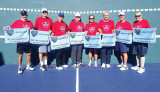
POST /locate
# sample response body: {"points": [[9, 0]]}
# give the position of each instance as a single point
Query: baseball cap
{"points": [[121, 13], [43, 9], [61, 14], [77, 14], [23, 12]]}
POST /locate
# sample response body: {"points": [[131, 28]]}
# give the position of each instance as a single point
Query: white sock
{"points": [[142, 61], [41, 63], [95, 62], [90, 61], [28, 65], [137, 59], [45, 62]]}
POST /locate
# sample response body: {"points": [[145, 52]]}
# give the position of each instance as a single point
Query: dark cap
{"points": [[23, 12], [61, 14]]}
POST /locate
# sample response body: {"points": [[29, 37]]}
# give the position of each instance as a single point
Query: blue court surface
{"points": [[90, 79]]}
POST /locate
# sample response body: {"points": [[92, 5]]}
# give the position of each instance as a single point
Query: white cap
{"points": [[77, 14], [121, 13], [43, 9]]}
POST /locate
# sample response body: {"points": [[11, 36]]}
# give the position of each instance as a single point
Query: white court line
{"points": [[77, 79], [83, 12]]}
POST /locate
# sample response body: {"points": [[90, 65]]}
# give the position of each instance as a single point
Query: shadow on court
{"points": [[1, 59]]}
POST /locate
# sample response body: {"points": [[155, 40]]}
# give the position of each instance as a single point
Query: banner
{"points": [[108, 39], [39, 37], [77, 37], [17, 35], [59, 42], [124, 36], [144, 35], [92, 41]]}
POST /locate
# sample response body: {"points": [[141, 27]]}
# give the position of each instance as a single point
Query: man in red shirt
{"points": [[59, 28], [23, 47], [140, 49], [92, 29], [76, 54], [122, 47], [107, 27], [44, 23]]}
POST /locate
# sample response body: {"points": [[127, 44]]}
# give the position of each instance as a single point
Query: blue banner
{"points": [[144, 35], [77, 37], [17, 35], [92, 41], [124, 36], [59, 42], [39, 37], [108, 39]]}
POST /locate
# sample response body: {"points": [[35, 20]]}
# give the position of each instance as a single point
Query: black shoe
{"points": [[43, 68], [48, 66]]}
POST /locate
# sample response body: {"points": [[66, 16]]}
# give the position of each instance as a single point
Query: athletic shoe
{"points": [[81, 64], [103, 65], [135, 68], [108, 65], [59, 68], [30, 68], [125, 67], [48, 66], [89, 64], [141, 70], [19, 70], [95, 65], [65, 66], [43, 68], [120, 65], [74, 66]]}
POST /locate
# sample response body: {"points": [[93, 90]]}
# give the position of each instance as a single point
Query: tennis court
{"points": [[90, 79]]}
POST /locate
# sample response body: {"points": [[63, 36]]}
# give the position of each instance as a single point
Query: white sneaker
{"points": [[103, 65], [65, 66], [125, 67], [108, 65], [30, 68], [59, 68], [43, 68], [135, 68], [89, 64], [95, 65], [141, 70], [19, 70], [120, 65]]}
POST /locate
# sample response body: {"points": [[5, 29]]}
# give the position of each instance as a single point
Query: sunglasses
{"points": [[91, 18], [137, 15], [24, 15], [44, 12]]}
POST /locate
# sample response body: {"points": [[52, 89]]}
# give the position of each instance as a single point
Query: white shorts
{"points": [[44, 48]]}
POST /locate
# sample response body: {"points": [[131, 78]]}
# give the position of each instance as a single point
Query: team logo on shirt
{"points": [[87, 38], [120, 27], [45, 24], [54, 39], [117, 32], [91, 29], [73, 35], [34, 33], [62, 28], [106, 27], [137, 31], [25, 25], [10, 32], [79, 28], [139, 26]]}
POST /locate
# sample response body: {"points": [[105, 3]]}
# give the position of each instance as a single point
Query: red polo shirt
{"points": [[92, 28], [141, 24], [76, 26], [106, 27], [59, 28]]}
